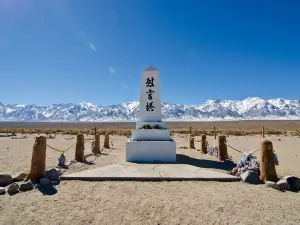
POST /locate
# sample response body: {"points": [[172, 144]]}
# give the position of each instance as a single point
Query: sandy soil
{"points": [[193, 202]]}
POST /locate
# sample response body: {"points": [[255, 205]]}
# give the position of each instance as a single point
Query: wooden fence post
{"points": [[97, 144], [267, 163], [222, 148], [106, 141], [190, 130], [203, 144], [79, 152], [192, 142], [215, 132], [263, 132], [38, 160]]}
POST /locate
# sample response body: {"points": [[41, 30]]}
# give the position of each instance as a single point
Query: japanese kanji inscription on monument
{"points": [[149, 84], [150, 108]]}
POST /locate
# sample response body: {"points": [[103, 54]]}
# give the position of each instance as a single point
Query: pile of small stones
{"points": [[13, 187]]}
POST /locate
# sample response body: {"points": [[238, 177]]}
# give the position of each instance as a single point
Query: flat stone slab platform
{"points": [[149, 172]]}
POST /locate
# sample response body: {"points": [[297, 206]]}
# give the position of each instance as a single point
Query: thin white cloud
{"points": [[86, 39], [93, 47], [111, 70], [124, 85]]}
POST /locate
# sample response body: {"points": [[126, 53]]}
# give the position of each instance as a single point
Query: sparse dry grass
{"points": [[127, 131]]}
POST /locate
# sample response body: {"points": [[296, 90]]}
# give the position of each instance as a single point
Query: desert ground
{"points": [[186, 202]]}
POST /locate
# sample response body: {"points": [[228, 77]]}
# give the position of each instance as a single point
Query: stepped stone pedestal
{"points": [[150, 141]]}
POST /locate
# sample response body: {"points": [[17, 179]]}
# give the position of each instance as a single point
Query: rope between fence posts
{"points": [[239, 150], [63, 151], [255, 151], [233, 148]]}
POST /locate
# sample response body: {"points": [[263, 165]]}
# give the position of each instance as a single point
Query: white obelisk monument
{"points": [[151, 139]]}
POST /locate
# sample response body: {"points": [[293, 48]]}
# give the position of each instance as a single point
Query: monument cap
{"points": [[150, 68]]}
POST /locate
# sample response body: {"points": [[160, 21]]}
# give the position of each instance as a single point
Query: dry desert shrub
{"points": [[292, 133], [75, 132], [127, 131]]}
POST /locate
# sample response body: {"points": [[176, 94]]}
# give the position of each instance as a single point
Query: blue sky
{"points": [[56, 51]]}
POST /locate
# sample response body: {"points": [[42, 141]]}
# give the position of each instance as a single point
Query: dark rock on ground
{"points": [[26, 186], [2, 190], [250, 177], [284, 185], [294, 183], [13, 189], [44, 181], [5, 179], [20, 177]]}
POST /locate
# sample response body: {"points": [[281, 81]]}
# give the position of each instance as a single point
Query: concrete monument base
{"points": [[149, 172], [150, 135], [150, 151]]}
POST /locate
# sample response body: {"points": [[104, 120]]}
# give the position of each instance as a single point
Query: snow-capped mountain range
{"points": [[250, 108]]}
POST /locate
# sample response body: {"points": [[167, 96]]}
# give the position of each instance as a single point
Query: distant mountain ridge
{"points": [[249, 108]]}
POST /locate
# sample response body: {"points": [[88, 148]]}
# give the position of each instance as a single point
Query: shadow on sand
{"points": [[227, 165], [205, 163], [88, 162]]}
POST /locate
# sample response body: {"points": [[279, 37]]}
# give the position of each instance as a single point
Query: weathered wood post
{"points": [[38, 160], [222, 148], [79, 152], [97, 144], [190, 130], [95, 130], [203, 144], [267, 163], [106, 141], [215, 132], [263, 132], [192, 142]]}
